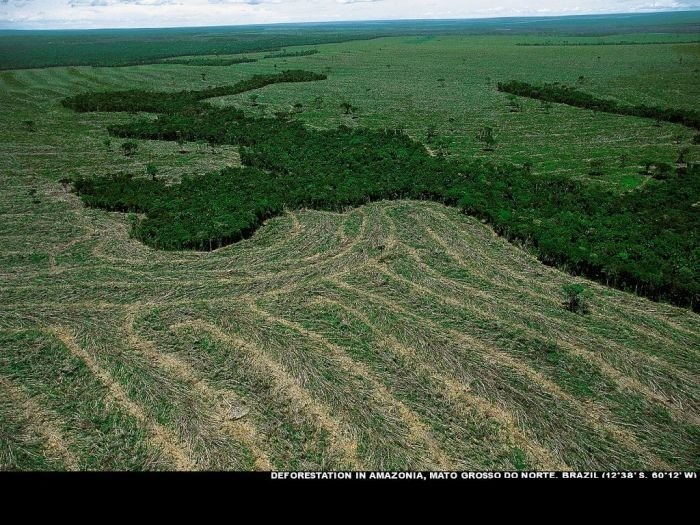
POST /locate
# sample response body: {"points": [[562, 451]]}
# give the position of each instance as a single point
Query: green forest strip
{"points": [[644, 241], [571, 96], [620, 43], [286, 54], [155, 102], [209, 61]]}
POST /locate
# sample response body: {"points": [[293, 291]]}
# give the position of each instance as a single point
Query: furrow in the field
{"points": [[613, 440], [381, 435], [597, 415], [471, 261], [640, 407], [463, 425], [45, 83], [416, 428], [89, 77], [163, 437], [41, 421], [458, 241], [99, 432], [658, 382], [294, 437], [555, 320], [344, 444], [214, 399]]}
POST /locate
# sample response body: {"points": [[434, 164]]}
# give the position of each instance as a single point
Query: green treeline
{"points": [[157, 102], [646, 240], [209, 61], [620, 43], [285, 54], [573, 97]]}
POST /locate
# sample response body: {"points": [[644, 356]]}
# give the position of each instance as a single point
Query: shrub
{"points": [[576, 298], [152, 171], [129, 148]]}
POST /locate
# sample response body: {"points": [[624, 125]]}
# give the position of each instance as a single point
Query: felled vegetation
{"points": [[573, 97], [621, 240]]}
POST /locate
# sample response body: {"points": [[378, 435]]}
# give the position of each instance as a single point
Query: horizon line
{"points": [[365, 21]]}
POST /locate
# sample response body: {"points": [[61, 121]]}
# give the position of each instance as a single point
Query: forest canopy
{"points": [[644, 240]]}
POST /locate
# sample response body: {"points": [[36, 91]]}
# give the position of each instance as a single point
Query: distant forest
{"points": [[123, 47]]}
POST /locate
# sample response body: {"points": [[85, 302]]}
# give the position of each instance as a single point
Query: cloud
{"points": [[27, 14]]}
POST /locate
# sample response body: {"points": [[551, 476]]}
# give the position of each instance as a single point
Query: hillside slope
{"points": [[396, 335]]}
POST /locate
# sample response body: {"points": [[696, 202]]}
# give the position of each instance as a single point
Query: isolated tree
{"points": [[129, 148], [595, 168], [30, 125], [152, 171], [576, 298], [430, 134], [254, 99], [298, 107], [318, 102], [513, 105], [682, 155], [107, 144], [347, 107], [180, 141], [485, 135], [204, 76], [624, 160]]}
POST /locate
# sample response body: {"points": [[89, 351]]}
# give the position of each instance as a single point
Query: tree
{"points": [[513, 105], [107, 144], [595, 168], [349, 108], [430, 134], [485, 135], [152, 171], [129, 148], [30, 125], [254, 99], [576, 298], [180, 141]]}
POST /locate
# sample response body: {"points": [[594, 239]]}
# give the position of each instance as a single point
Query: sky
{"points": [[84, 14]]}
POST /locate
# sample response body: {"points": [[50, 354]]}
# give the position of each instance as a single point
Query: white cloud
{"points": [[168, 13]]}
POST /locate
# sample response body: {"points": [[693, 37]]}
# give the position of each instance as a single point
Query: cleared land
{"points": [[396, 335]]}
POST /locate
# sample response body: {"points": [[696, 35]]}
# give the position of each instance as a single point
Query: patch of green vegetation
{"points": [[288, 54], [210, 61], [573, 97], [155, 102], [571, 224]]}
